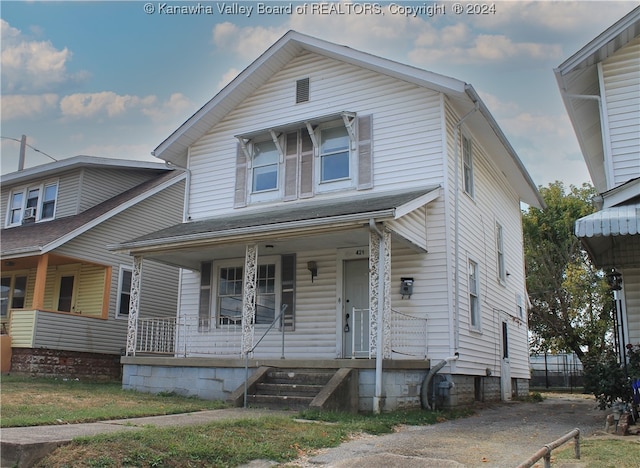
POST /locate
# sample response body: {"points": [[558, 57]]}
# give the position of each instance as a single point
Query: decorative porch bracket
{"points": [[249, 297], [134, 306], [375, 292]]}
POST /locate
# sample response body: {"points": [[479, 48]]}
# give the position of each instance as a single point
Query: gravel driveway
{"points": [[499, 435]]}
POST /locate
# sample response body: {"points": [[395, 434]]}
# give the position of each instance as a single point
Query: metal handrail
{"points": [[545, 452], [246, 355]]}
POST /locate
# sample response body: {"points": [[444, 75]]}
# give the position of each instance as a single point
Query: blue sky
{"points": [[113, 80]]}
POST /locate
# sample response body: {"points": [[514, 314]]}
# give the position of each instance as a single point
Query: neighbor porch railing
{"points": [[156, 335]]}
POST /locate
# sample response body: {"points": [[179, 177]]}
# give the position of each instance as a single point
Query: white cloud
{"points": [[83, 105], [32, 66], [24, 106], [176, 106], [248, 42]]}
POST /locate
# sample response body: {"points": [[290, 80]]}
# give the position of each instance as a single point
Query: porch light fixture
{"points": [[614, 278], [313, 268]]}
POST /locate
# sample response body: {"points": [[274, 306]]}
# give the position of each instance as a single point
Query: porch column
{"points": [[41, 283], [380, 290], [134, 306], [249, 297]]}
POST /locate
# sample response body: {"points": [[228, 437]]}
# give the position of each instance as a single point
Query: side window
{"points": [[49, 201], [124, 292], [13, 289], [204, 307], [474, 295], [467, 165], [502, 274]]}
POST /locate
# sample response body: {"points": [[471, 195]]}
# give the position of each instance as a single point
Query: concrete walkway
{"points": [[23, 446]]}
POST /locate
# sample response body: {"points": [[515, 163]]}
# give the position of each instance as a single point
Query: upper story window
{"points": [[474, 295], [467, 165], [265, 166], [299, 160], [334, 154], [34, 203]]}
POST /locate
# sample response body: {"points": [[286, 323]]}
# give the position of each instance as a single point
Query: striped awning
{"points": [[612, 236], [615, 221]]}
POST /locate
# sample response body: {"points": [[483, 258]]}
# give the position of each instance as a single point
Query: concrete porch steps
{"points": [[289, 388]]}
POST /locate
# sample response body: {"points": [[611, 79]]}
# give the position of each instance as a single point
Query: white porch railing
{"points": [[408, 335], [156, 335], [166, 336]]}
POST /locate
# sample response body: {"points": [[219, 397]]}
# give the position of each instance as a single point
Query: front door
{"points": [[355, 314]]}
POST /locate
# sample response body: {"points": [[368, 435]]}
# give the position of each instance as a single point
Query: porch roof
{"points": [[310, 216], [612, 236], [39, 238]]}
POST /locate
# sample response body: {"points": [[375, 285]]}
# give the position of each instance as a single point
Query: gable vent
{"points": [[302, 90]]}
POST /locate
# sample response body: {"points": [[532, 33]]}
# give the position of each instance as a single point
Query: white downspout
{"points": [[377, 397]]}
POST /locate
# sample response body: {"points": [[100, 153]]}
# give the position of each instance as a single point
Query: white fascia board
{"points": [[621, 193], [291, 227], [109, 214], [49, 169], [416, 203]]}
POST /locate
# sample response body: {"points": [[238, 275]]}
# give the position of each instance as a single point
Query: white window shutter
{"points": [[365, 152], [291, 167], [240, 196], [306, 166]]}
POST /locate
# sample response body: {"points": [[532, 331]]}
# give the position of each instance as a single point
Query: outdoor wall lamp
{"points": [[313, 268], [614, 279]]}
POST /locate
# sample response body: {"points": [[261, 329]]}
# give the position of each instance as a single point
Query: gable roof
{"points": [[579, 85], [464, 98], [43, 237], [50, 169]]}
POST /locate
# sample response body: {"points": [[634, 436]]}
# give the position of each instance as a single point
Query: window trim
{"points": [[475, 313], [122, 270], [500, 255], [342, 183], [214, 311], [40, 201], [12, 277]]}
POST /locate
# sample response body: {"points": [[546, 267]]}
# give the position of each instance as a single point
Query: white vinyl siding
{"points": [[621, 75], [631, 282], [402, 155]]}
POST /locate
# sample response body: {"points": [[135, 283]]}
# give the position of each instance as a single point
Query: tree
{"points": [[571, 302]]}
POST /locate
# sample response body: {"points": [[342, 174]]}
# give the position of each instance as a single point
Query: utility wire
{"points": [[27, 144]]}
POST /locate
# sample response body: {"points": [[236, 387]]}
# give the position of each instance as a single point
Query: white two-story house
{"points": [[600, 86], [374, 204]]}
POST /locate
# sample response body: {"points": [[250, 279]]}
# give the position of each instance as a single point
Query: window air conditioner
{"points": [[30, 213]]}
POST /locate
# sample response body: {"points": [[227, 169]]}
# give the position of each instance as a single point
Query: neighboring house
{"points": [[65, 297], [600, 86], [378, 202]]}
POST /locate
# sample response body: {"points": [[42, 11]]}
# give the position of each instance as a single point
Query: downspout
{"points": [[456, 283], [424, 390], [377, 397]]}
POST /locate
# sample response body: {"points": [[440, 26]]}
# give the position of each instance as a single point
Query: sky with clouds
{"points": [[114, 79]]}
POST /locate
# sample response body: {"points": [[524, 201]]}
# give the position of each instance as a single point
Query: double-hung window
{"points": [[229, 293], [124, 292], [334, 154], [266, 158], [13, 293], [35, 203], [474, 295]]}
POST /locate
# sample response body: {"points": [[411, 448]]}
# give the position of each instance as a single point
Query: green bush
{"points": [[610, 381]]}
